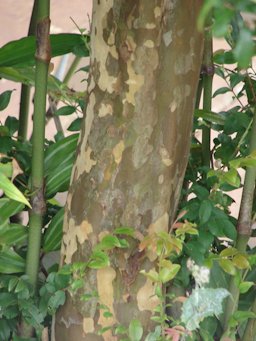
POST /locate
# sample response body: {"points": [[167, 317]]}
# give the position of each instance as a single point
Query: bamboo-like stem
{"points": [[71, 69], [37, 175], [250, 329], [243, 225], [199, 92], [208, 72], [25, 89]]}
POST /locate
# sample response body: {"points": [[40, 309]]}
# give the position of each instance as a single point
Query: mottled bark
{"points": [[133, 151]]}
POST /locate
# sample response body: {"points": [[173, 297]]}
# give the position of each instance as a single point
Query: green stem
{"points": [[243, 226], [250, 329], [53, 103], [25, 89], [199, 92], [208, 72], [71, 69], [37, 175]]}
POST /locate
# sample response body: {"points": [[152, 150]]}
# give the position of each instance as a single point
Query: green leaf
{"points": [[244, 49], [127, 231], [168, 273], [77, 284], [22, 51], [75, 125], [222, 18], [228, 252], [245, 286], [241, 262], [59, 153], [56, 300], [108, 242], [243, 315], [201, 304], [53, 235], [59, 161], [221, 91], [120, 330], [205, 211], [12, 283], [135, 330], [8, 208], [58, 181], [6, 327], [218, 278], [98, 260], [155, 335], [6, 169], [204, 12], [65, 111], [7, 299], [210, 116], [226, 57], [11, 191], [11, 262], [5, 99], [152, 275], [227, 266], [13, 234], [12, 123], [232, 177]]}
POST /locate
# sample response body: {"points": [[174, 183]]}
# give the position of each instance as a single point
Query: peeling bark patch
{"points": [[135, 80], [118, 151], [167, 37], [149, 43], [85, 133], [88, 325], [173, 106], [105, 109], [105, 81], [183, 64], [157, 12], [89, 163], [150, 26], [146, 297], [105, 279], [165, 157], [75, 234], [161, 179], [161, 224], [142, 148], [86, 229]]}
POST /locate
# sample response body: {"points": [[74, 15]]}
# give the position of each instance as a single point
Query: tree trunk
{"points": [[132, 153]]}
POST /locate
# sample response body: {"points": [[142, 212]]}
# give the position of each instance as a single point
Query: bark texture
{"points": [[132, 152]]}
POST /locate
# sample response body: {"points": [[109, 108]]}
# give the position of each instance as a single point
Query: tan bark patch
{"points": [[165, 157], [146, 298], [149, 43], [88, 325], [73, 234], [80, 163], [105, 279], [105, 109], [157, 12], [150, 26], [118, 151], [161, 224], [98, 51], [85, 230], [135, 80], [89, 163]]}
